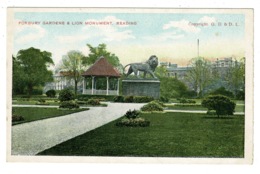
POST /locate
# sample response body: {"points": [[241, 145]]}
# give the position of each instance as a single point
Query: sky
{"points": [[133, 37]]}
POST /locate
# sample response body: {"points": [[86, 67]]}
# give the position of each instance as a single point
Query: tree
{"points": [[30, 69], [160, 71], [72, 64], [199, 75], [171, 87], [236, 77], [101, 50]]}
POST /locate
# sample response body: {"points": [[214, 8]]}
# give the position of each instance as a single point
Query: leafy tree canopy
{"points": [[97, 52], [72, 64], [31, 69]]}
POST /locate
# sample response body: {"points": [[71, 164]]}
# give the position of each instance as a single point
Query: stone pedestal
{"points": [[141, 87]]}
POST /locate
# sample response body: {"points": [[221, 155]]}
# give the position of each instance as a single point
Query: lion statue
{"points": [[147, 67]]}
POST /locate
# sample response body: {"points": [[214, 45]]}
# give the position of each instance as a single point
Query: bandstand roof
{"points": [[102, 68]]}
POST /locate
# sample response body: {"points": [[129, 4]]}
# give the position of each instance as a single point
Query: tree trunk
{"points": [[30, 89], [76, 88]]}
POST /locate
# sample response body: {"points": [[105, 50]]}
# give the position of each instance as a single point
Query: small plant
{"points": [[152, 106], [51, 93], [66, 95], [132, 114], [68, 105], [221, 104], [93, 102]]}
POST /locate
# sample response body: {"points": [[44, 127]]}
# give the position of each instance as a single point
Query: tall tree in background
{"points": [[30, 69], [236, 76], [101, 50], [72, 65], [199, 75]]}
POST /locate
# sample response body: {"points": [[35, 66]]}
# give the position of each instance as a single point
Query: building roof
{"points": [[102, 68]]}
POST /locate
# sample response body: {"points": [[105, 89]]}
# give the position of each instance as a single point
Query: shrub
{"points": [[66, 95], [17, 118], [220, 103], [51, 93], [141, 122], [129, 99], [132, 119], [132, 114], [183, 100], [164, 99], [222, 91], [93, 102], [69, 105], [81, 102], [41, 101], [118, 98], [85, 97], [152, 106], [142, 99], [240, 95]]}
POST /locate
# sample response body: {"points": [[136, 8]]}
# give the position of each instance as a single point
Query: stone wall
{"points": [[141, 87]]}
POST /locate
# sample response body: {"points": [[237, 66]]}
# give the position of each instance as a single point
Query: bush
{"points": [[132, 114], [183, 100], [69, 105], [164, 99], [152, 106], [142, 99], [66, 95], [240, 95], [118, 98], [220, 103], [222, 91], [41, 101], [51, 93], [93, 102], [132, 119], [17, 118], [129, 99], [137, 122], [85, 97], [81, 102]]}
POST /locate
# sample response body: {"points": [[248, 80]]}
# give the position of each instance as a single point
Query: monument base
{"points": [[141, 87]]}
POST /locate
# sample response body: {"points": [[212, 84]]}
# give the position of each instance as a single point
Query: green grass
{"points": [[51, 103], [32, 113], [184, 107], [239, 108], [169, 135]]}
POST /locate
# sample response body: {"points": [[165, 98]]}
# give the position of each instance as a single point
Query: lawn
{"points": [[32, 114], [169, 135], [50, 103], [239, 108]]}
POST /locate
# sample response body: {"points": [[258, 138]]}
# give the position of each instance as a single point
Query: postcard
{"points": [[130, 85]]}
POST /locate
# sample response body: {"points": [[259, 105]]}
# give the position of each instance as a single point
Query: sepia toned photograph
{"points": [[130, 85]]}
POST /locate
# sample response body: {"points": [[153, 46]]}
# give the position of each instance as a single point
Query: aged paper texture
{"points": [[218, 43]]}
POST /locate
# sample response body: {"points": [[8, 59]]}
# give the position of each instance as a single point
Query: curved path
{"points": [[34, 137]]}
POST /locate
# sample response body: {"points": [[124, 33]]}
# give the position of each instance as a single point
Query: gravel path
{"points": [[34, 137]]}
